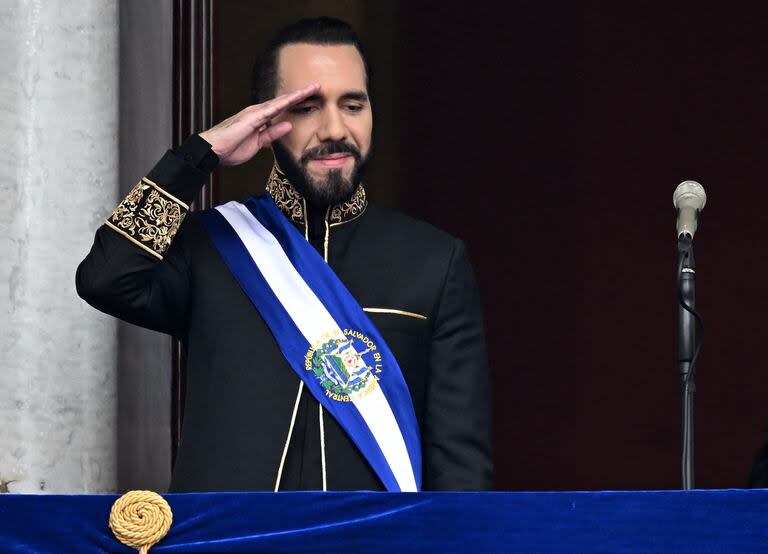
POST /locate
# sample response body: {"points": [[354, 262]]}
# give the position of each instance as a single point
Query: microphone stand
{"points": [[687, 350]]}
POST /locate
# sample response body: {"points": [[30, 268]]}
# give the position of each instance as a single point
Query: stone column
{"points": [[146, 124], [58, 182]]}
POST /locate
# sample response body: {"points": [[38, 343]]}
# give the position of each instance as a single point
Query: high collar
{"points": [[300, 211]]}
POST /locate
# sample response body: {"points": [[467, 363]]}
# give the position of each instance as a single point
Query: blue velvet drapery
{"points": [[653, 521]]}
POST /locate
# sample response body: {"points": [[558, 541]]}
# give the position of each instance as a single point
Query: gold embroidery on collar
{"points": [[149, 220], [351, 209], [291, 202], [285, 196]]}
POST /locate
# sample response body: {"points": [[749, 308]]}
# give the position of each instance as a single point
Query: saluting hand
{"points": [[237, 139]]}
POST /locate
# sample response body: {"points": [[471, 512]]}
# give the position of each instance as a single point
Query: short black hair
{"points": [[316, 30]]}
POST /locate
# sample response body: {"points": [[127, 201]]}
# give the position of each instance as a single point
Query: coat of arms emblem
{"points": [[341, 366]]}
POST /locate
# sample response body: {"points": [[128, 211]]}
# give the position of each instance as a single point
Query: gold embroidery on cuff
{"points": [[165, 192], [133, 240], [149, 216]]}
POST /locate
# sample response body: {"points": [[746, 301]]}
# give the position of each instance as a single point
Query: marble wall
{"points": [[58, 181]]}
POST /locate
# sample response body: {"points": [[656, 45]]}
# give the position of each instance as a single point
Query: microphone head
{"points": [[689, 198], [689, 194]]}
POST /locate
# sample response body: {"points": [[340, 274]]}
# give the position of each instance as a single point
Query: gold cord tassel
{"points": [[140, 519]]}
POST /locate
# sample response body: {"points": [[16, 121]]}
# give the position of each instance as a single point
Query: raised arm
{"points": [[138, 267]]}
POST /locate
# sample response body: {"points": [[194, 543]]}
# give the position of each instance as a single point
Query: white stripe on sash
{"points": [[314, 321]]}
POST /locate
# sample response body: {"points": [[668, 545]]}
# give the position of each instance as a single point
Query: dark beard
{"points": [[332, 190]]}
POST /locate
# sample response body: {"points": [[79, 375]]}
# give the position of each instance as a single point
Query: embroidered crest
{"points": [[346, 365]]}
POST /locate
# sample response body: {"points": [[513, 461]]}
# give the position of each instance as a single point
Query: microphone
{"points": [[689, 198]]}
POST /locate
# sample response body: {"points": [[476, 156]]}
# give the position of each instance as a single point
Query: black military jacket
{"points": [[150, 268]]}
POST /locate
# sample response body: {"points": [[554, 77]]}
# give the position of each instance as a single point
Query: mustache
{"points": [[329, 148]]}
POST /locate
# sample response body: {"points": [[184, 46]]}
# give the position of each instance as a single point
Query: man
{"points": [[250, 424]]}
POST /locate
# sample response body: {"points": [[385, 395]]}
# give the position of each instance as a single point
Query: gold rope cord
{"points": [[140, 519]]}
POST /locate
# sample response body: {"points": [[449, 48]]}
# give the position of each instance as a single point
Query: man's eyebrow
{"points": [[358, 95]]}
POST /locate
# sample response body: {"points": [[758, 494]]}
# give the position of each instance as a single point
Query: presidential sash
{"points": [[324, 334]]}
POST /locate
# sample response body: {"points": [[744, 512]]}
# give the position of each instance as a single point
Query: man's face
{"points": [[331, 135]]}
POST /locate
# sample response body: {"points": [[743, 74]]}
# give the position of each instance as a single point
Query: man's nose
{"points": [[332, 127]]}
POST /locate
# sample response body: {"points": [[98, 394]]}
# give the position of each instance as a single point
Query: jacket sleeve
{"points": [[138, 267], [457, 425]]}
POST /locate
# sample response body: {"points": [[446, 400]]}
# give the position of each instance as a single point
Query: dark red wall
{"points": [[550, 136]]}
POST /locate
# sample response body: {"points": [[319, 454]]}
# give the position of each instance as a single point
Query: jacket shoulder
{"points": [[404, 229]]}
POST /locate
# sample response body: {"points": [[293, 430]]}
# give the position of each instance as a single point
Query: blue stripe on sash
{"points": [[253, 283], [292, 342], [346, 311]]}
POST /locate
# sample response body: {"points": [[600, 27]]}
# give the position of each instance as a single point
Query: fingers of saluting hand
{"points": [[268, 134], [261, 114], [236, 139], [254, 142]]}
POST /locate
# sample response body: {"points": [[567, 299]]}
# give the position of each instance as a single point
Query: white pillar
{"points": [[58, 181]]}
